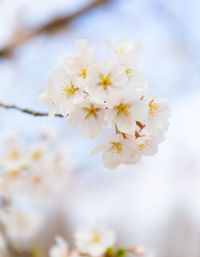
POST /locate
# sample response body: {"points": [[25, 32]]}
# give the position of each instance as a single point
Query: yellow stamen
{"points": [[122, 51], [83, 73], [128, 73], [91, 111], [70, 90], [37, 180], [143, 146], [14, 173], [116, 147], [37, 155], [153, 108], [105, 81], [122, 109], [14, 155], [96, 239]]}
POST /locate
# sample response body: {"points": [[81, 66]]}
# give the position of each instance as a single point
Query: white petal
{"points": [[75, 118], [126, 124], [91, 127], [140, 111], [78, 97], [66, 107], [111, 160], [109, 118], [60, 76], [52, 112], [138, 80], [98, 93], [100, 148], [43, 98]]}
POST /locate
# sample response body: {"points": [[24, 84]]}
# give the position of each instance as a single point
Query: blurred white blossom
{"points": [[21, 224], [94, 241], [60, 249], [40, 169]]}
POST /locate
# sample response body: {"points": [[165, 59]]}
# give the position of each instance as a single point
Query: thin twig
{"points": [[27, 111], [52, 26]]}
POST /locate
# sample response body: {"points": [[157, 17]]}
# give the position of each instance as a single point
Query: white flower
{"points": [[123, 110], [15, 158], [89, 115], [94, 241], [79, 64], [60, 249], [147, 144], [106, 77], [49, 170], [128, 54], [63, 91], [38, 153], [158, 115], [21, 224], [116, 150]]}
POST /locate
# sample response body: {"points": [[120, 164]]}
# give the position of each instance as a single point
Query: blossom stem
{"points": [[27, 111], [137, 134], [117, 130], [140, 124]]}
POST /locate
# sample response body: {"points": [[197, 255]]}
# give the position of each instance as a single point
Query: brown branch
{"points": [[27, 111], [52, 26]]}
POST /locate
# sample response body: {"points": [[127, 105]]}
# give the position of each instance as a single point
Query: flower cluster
{"points": [[109, 92], [37, 170], [20, 224], [95, 242]]}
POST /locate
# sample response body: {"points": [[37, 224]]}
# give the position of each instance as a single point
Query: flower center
{"points": [[116, 147], [83, 73], [105, 81], [153, 108], [14, 173], [143, 146], [14, 155], [122, 51], [70, 90], [128, 73], [37, 155], [91, 111], [96, 239], [37, 180], [122, 109]]}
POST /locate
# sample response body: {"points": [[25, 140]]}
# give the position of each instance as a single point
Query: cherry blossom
{"points": [[60, 249], [113, 93], [94, 241], [37, 169]]}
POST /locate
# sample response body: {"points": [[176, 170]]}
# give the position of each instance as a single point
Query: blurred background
{"points": [[155, 203]]}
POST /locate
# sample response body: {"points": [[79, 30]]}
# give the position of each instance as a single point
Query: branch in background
{"points": [[52, 26], [27, 111]]}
